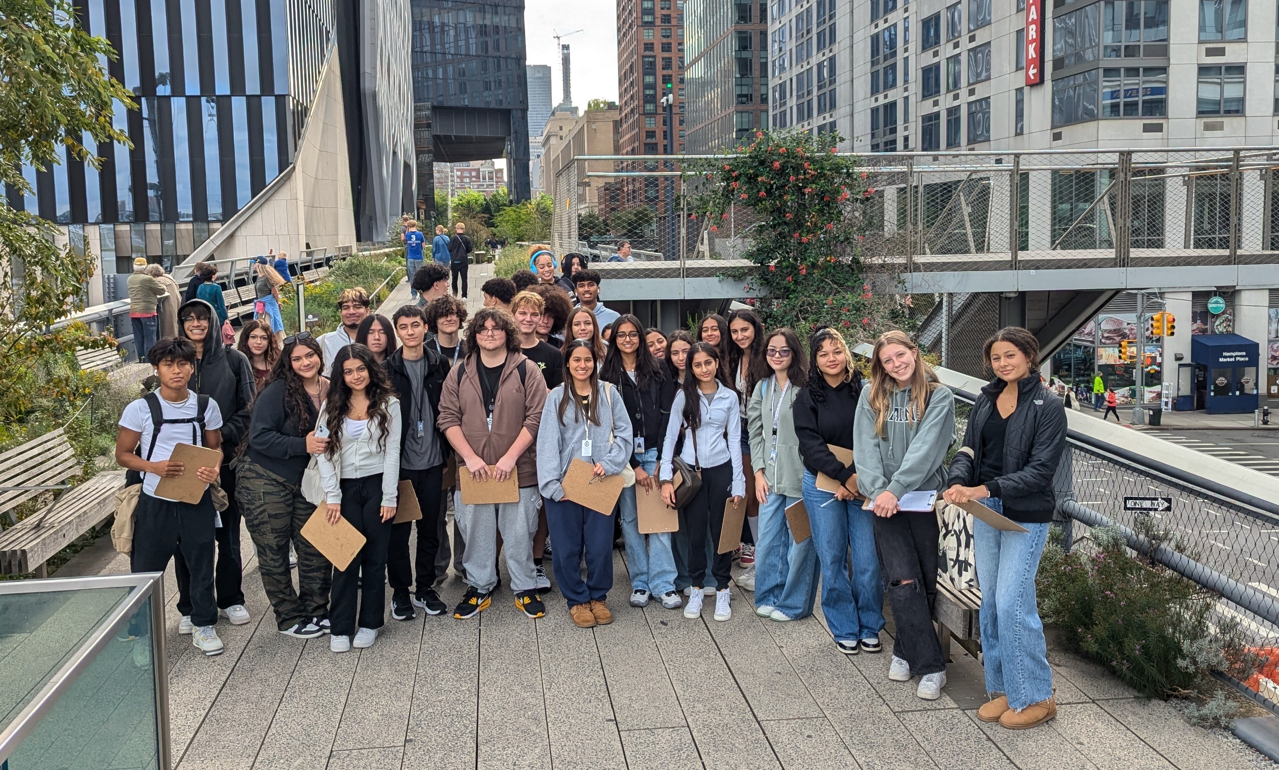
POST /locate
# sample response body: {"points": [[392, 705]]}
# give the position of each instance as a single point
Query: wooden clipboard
{"points": [[730, 534], [996, 520], [188, 488], [488, 492], [655, 516], [797, 519], [408, 508], [340, 543], [582, 486], [845, 457]]}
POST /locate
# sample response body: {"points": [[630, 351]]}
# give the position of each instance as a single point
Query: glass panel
{"points": [[1222, 382], [92, 185], [151, 127], [190, 49], [249, 23], [123, 172], [1247, 381], [182, 158], [212, 167], [129, 40], [61, 193], [30, 202], [240, 118], [160, 42], [221, 66], [270, 139]]}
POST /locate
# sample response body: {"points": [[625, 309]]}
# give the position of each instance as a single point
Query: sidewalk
{"points": [[1197, 420]]}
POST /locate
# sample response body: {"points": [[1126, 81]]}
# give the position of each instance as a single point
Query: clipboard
{"points": [[996, 520], [845, 457], [340, 543], [730, 533], [188, 488], [408, 508], [583, 487], [488, 492], [797, 519], [654, 515]]}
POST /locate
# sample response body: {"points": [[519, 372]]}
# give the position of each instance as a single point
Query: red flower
{"points": [[843, 310], [796, 235], [846, 323], [803, 240], [759, 134], [727, 167], [829, 302], [743, 196], [866, 321], [782, 151], [788, 279], [772, 268], [808, 165], [866, 295], [714, 229], [863, 175], [723, 216], [750, 301], [826, 197], [834, 150], [734, 174], [763, 194], [777, 164], [790, 215], [692, 216], [865, 287], [792, 178], [830, 226], [807, 190]]}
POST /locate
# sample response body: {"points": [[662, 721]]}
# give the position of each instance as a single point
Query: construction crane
{"points": [[565, 63]]}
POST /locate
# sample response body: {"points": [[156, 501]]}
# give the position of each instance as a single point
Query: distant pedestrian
{"points": [[197, 278], [266, 291], [440, 246], [1112, 406], [460, 249], [414, 242], [144, 297], [211, 293], [1098, 392], [168, 307]]}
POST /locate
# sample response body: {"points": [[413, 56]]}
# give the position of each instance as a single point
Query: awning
{"points": [[1223, 350]]}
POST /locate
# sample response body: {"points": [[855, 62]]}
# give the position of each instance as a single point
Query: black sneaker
{"points": [[472, 604], [303, 630], [871, 645], [848, 648], [430, 602], [530, 603], [321, 623], [402, 608]]}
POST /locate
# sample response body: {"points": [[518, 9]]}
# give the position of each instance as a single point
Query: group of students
{"points": [[758, 417]]}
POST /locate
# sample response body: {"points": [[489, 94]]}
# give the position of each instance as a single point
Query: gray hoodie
{"points": [[558, 444], [912, 456]]}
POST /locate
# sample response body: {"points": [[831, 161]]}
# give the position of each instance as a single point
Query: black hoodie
{"points": [[826, 419], [437, 367], [225, 375]]}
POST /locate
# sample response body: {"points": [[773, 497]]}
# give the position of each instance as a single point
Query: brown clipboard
{"points": [[994, 519], [488, 492], [654, 515], [340, 543], [408, 508], [845, 457], [188, 488], [797, 519], [582, 486], [730, 533]]}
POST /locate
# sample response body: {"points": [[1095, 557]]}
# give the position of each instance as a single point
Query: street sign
{"points": [[1216, 305], [1147, 504], [1034, 36]]}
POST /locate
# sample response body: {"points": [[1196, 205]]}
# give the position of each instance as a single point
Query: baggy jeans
{"points": [[854, 609]]}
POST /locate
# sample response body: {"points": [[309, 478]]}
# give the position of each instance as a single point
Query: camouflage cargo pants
{"points": [[274, 512]]}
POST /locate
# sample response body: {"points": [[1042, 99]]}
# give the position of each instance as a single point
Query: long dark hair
{"points": [[723, 330], [735, 352], [679, 335], [816, 381], [592, 412], [272, 352], [296, 399], [597, 339], [362, 335], [379, 392], [692, 395], [796, 370], [647, 369]]}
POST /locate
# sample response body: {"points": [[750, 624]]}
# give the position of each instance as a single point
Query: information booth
{"points": [[1226, 372]]}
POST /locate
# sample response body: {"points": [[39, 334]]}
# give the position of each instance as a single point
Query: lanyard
{"points": [[456, 350], [490, 401], [777, 416]]}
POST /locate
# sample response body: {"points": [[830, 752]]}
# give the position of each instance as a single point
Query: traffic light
{"points": [[1151, 326], [1126, 350], [1170, 322], [1157, 324]]}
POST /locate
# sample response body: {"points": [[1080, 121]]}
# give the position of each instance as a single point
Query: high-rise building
{"points": [[482, 176], [650, 64], [539, 110], [726, 73]]}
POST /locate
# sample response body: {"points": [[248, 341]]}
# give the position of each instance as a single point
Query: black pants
{"points": [[1109, 411], [363, 582], [907, 545], [399, 569], [707, 506], [163, 530], [459, 271], [228, 570]]}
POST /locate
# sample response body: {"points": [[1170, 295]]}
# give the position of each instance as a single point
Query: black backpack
{"points": [[158, 420]]}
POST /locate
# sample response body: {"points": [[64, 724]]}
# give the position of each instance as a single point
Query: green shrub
{"points": [[369, 272], [510, 260]]}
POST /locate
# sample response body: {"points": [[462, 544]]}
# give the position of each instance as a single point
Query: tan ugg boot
{"points": [[1031, 716], [991, 711]]}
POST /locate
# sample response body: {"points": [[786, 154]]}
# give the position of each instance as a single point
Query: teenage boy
{"points": [[163, 528], [527, 308], [498, 292], [225, 375], [430, 282], [417, 374], [353, 305], [414, 243], [444, 319], [587, 284], [460, 249], [489, 411]]}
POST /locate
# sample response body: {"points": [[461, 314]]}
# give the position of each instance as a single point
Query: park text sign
{"points": [[1034, 37]]}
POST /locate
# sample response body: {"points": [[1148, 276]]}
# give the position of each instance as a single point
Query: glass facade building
{"points": [[727, 72]]}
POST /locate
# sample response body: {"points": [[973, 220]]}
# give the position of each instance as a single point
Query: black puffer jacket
{"points": [[1034, 440], [225, 375], [646, 410], [437, 368]]}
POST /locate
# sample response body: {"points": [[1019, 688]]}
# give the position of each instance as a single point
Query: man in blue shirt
{"points": [[281, 265], [414, 241]]}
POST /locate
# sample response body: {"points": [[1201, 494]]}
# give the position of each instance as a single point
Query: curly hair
{"points": [[427, 276], [296, 399], [523, 280], [1021, 339], [557, 305], [441, 307], [500, 289], [816, 380], [501, 320], [338, 405]]}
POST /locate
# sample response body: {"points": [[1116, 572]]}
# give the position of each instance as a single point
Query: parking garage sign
{"points": [[1034, 38]]}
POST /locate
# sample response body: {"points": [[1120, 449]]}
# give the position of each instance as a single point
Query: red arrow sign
{"points": [[1034, 35]]}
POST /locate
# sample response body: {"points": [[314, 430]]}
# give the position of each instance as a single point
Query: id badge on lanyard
{"points": [[777, 416]]}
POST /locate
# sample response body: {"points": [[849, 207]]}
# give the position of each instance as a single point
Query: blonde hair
{"points": [[922, 381], [529, 299], [357, 295]]}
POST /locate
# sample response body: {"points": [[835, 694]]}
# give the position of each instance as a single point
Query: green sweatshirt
{"points": [[911, 458], [786, 476]]}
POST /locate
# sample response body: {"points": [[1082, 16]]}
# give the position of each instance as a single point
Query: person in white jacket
{"points": [[360, 474]]}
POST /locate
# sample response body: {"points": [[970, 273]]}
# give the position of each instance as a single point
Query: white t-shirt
{"points": [[137, 416]]}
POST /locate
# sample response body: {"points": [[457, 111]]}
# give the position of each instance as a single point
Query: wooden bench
{"points": [[98, 360], [44, 465], [958, 615]]}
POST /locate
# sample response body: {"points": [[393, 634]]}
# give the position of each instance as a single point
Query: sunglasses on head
{"points": [[297, 338]]}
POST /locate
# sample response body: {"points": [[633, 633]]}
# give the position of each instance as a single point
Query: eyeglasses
{"points": [[194, 319], [626, 335], [490, 331], [779, 352], [297, 338]]}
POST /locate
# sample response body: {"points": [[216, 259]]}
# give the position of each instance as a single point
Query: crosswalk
{"points": [[1230, 453]]}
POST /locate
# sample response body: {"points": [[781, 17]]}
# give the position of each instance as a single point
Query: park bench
{"points": [[28, 471], [958, 615], [98, 360]]}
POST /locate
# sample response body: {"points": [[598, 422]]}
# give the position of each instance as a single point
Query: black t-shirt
{"points": [[992, 447], [549, 360], [490, 379]]}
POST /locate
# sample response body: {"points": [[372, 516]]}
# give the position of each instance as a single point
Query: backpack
{"points": [[158, 420]]}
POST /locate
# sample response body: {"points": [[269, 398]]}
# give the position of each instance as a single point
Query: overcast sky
{"points": [[594, 50]]}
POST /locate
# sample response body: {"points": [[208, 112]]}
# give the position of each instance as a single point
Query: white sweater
{"points": [[360, 458]]}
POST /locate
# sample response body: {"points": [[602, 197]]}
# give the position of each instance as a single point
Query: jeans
{"points": [[785, 571], [1096, 401], [399, 566], [411, 266], [854, 609], [907, 544], [580, 533], [363, 582], [1014, 652], [145, 332], [648, 557]]}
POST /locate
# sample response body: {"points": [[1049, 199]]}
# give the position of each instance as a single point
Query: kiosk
{"points": [[1225, 373]]}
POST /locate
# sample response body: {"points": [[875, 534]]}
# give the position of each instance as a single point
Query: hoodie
{"points": [[225, 375], [557, 445], [913, 455], [826, 419]]}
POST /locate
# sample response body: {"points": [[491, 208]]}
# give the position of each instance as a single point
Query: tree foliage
{"points": [[529, 221], [598, 104], [634, 223], [591, 225]]}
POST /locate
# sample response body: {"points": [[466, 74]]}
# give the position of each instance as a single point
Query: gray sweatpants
{"points": [[479, 525]]}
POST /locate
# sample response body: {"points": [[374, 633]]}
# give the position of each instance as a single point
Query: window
{"points": [[1135, 29], [954, 21], [931, 76], [905, 69], [880, 8], [979, 63], [666, 48], [978, 14], [953, 127], [650, 122], [1277, 89], [1019, 55], [1076, 36], [1019, 111], [906, 111], [1134, 92], [954, 73], [930, 132], [890, 76], [883, 128], [930, 33], [1074, 99], [666, 62], [1222, 19], [826, 81], [979, 121], [883, 50], [1221, 90]]}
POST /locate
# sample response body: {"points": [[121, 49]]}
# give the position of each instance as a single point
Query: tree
{"points": [[600, 104], [527, 222], [469, 204], [634, 222], [590, 225], [496, 202]]}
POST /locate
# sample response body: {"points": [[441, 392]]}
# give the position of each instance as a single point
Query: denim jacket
{"points": [[720, 416]]}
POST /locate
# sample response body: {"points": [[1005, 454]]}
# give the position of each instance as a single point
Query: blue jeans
{"points": [[854, 609], [648, 557], [785, 571], [1014, 652], [145, 332], [411, 267]]}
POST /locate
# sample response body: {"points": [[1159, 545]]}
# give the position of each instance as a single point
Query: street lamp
{"points": [[668, 111]]}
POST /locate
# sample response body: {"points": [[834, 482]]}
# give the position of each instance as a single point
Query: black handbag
{"points": [[690, 476]]}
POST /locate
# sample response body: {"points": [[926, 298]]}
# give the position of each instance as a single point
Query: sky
{"points": [[594, 50]]}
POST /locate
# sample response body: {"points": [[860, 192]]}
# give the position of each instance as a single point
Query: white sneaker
{"points": [[206, 640], [899, 670], [747, 579], [708, 591], [293, 557], [765, 610], [693, 609], [339, 643], [780, 617], [236, 614], [722, 610], [364, 638], [930, 686], [185, 626], [540, 582], [639, 598], [671, 600], [688, 591]]}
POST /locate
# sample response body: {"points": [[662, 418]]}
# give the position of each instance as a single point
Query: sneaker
{"points": [[898, 670], [603, 616], [671, 600], [582, 615], [364, 638], [429, 602], [206, 640], [303, 630], [688, 591], [848, 648], [185, 626], [546, 550], [417, 602], [293, 557], [402, 608], [473, 603], [321, 623], [722, 609], [531, 604], [542, 584], [639, 598], [871, 645], [780, 617], [765, 610], [748, 555], [339, 643], [747, 579], [236, 614], [693, 609], [930, 686], [708, 590]]}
